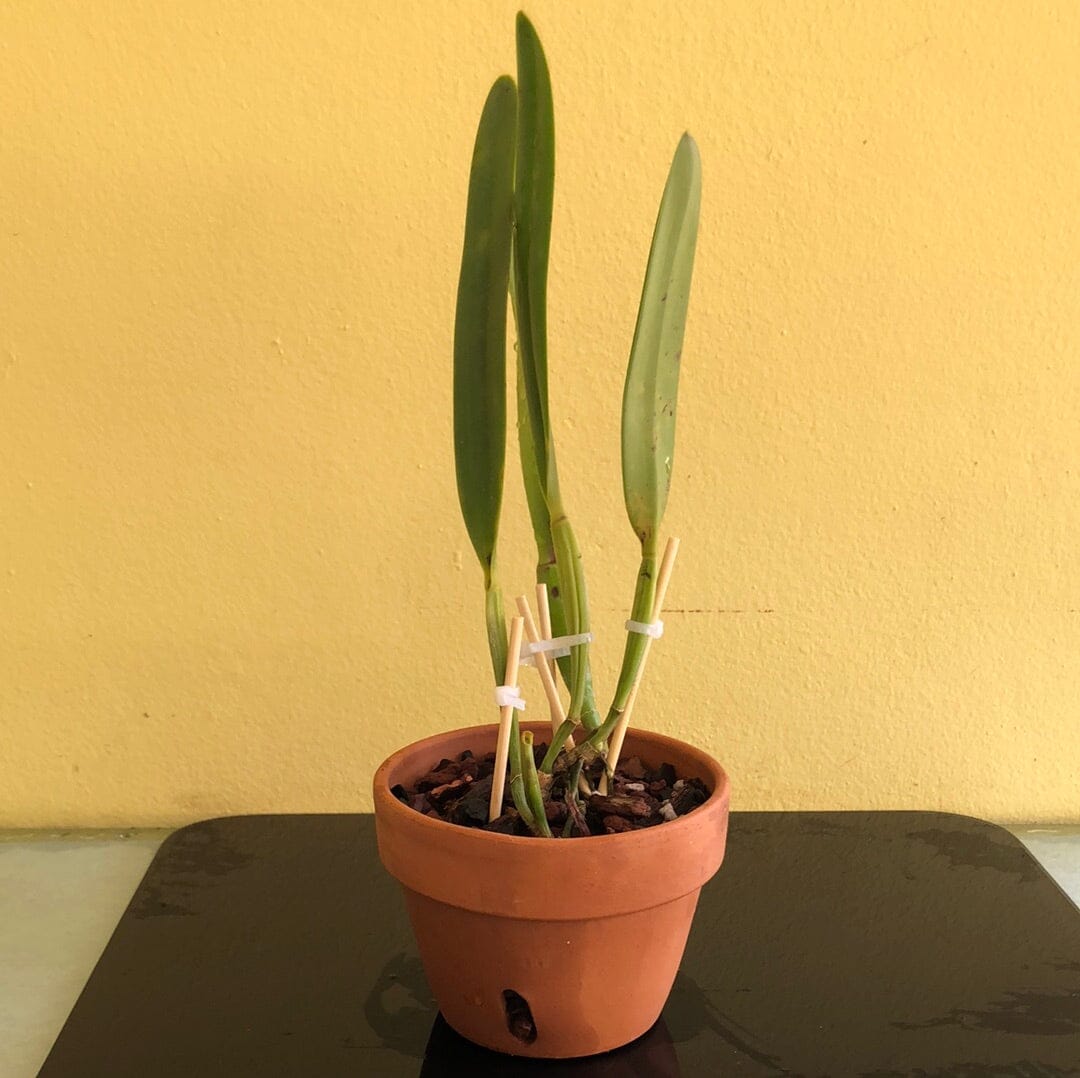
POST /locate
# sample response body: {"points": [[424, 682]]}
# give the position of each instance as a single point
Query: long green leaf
{"points": [[480, 326], [533, 194], [480, 344], [652, 376], [651, 392]]}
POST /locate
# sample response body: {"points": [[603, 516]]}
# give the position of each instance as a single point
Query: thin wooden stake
{"points": [[619, 733], [543, 609], [502, 746], [547, 679]]}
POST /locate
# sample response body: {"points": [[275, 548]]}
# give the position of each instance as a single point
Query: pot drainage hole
{"points": [[519, 1019]]}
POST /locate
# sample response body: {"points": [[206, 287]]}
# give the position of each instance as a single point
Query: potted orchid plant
{"points": [[532, 853]]}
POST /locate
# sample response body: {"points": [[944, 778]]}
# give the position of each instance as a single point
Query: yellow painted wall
{"points": [[232, 573]]}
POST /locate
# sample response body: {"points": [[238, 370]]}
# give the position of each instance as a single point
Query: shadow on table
{"points": [[449, 1055]]}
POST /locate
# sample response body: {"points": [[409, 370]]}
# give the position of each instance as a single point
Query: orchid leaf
{"points": [[480, 344], [652, 375]]}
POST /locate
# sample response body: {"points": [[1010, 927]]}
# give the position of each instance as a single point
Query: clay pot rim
{"points": [[388, 803]]}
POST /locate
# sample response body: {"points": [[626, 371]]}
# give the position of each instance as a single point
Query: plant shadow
{"points": [[449, 1055]]}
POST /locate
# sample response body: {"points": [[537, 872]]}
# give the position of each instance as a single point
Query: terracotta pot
{"points": [[588, 932]]}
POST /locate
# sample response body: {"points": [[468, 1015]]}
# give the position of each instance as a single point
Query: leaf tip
{"points": [[688, 146]]}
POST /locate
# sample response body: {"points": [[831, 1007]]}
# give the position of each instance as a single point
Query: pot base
{"points": [[589, 986]]}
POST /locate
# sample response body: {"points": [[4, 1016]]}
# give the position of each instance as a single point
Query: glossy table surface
{"points": [[829, 944]]}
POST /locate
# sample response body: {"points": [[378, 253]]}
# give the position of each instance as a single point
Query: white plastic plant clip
{"points": [[551, 648], [509, 696], [556, 648], [655, 629]]}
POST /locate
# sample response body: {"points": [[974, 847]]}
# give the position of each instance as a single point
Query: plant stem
{"points": [[634, 652], [573, 805], [565, 730], [596, 739], [663, 579], [495, 617], [576, 606], [517, 779], [532, 786], [547, 573]]}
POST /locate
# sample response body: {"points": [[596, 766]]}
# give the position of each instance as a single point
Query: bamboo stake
{"points": [[547, 679], [502, 746], [543, 609], [619, 733]]}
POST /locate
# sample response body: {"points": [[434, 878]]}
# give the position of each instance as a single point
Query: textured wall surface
{"points": [[232, 572]]}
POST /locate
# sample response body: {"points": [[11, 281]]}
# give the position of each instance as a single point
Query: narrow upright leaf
{"points": [[480, 326], [652, 376], [559, 562], [533, 194], [651, 391]]}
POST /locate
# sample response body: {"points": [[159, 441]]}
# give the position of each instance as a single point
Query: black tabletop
{"points": [[876, 944]]}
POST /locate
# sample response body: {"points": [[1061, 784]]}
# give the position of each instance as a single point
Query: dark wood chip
{"points": [[614, 825], [628, 806], [506, 824], [633, 768], [401, 793], [447, 792], [686, 798], [472, 809], [439, 776]]}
